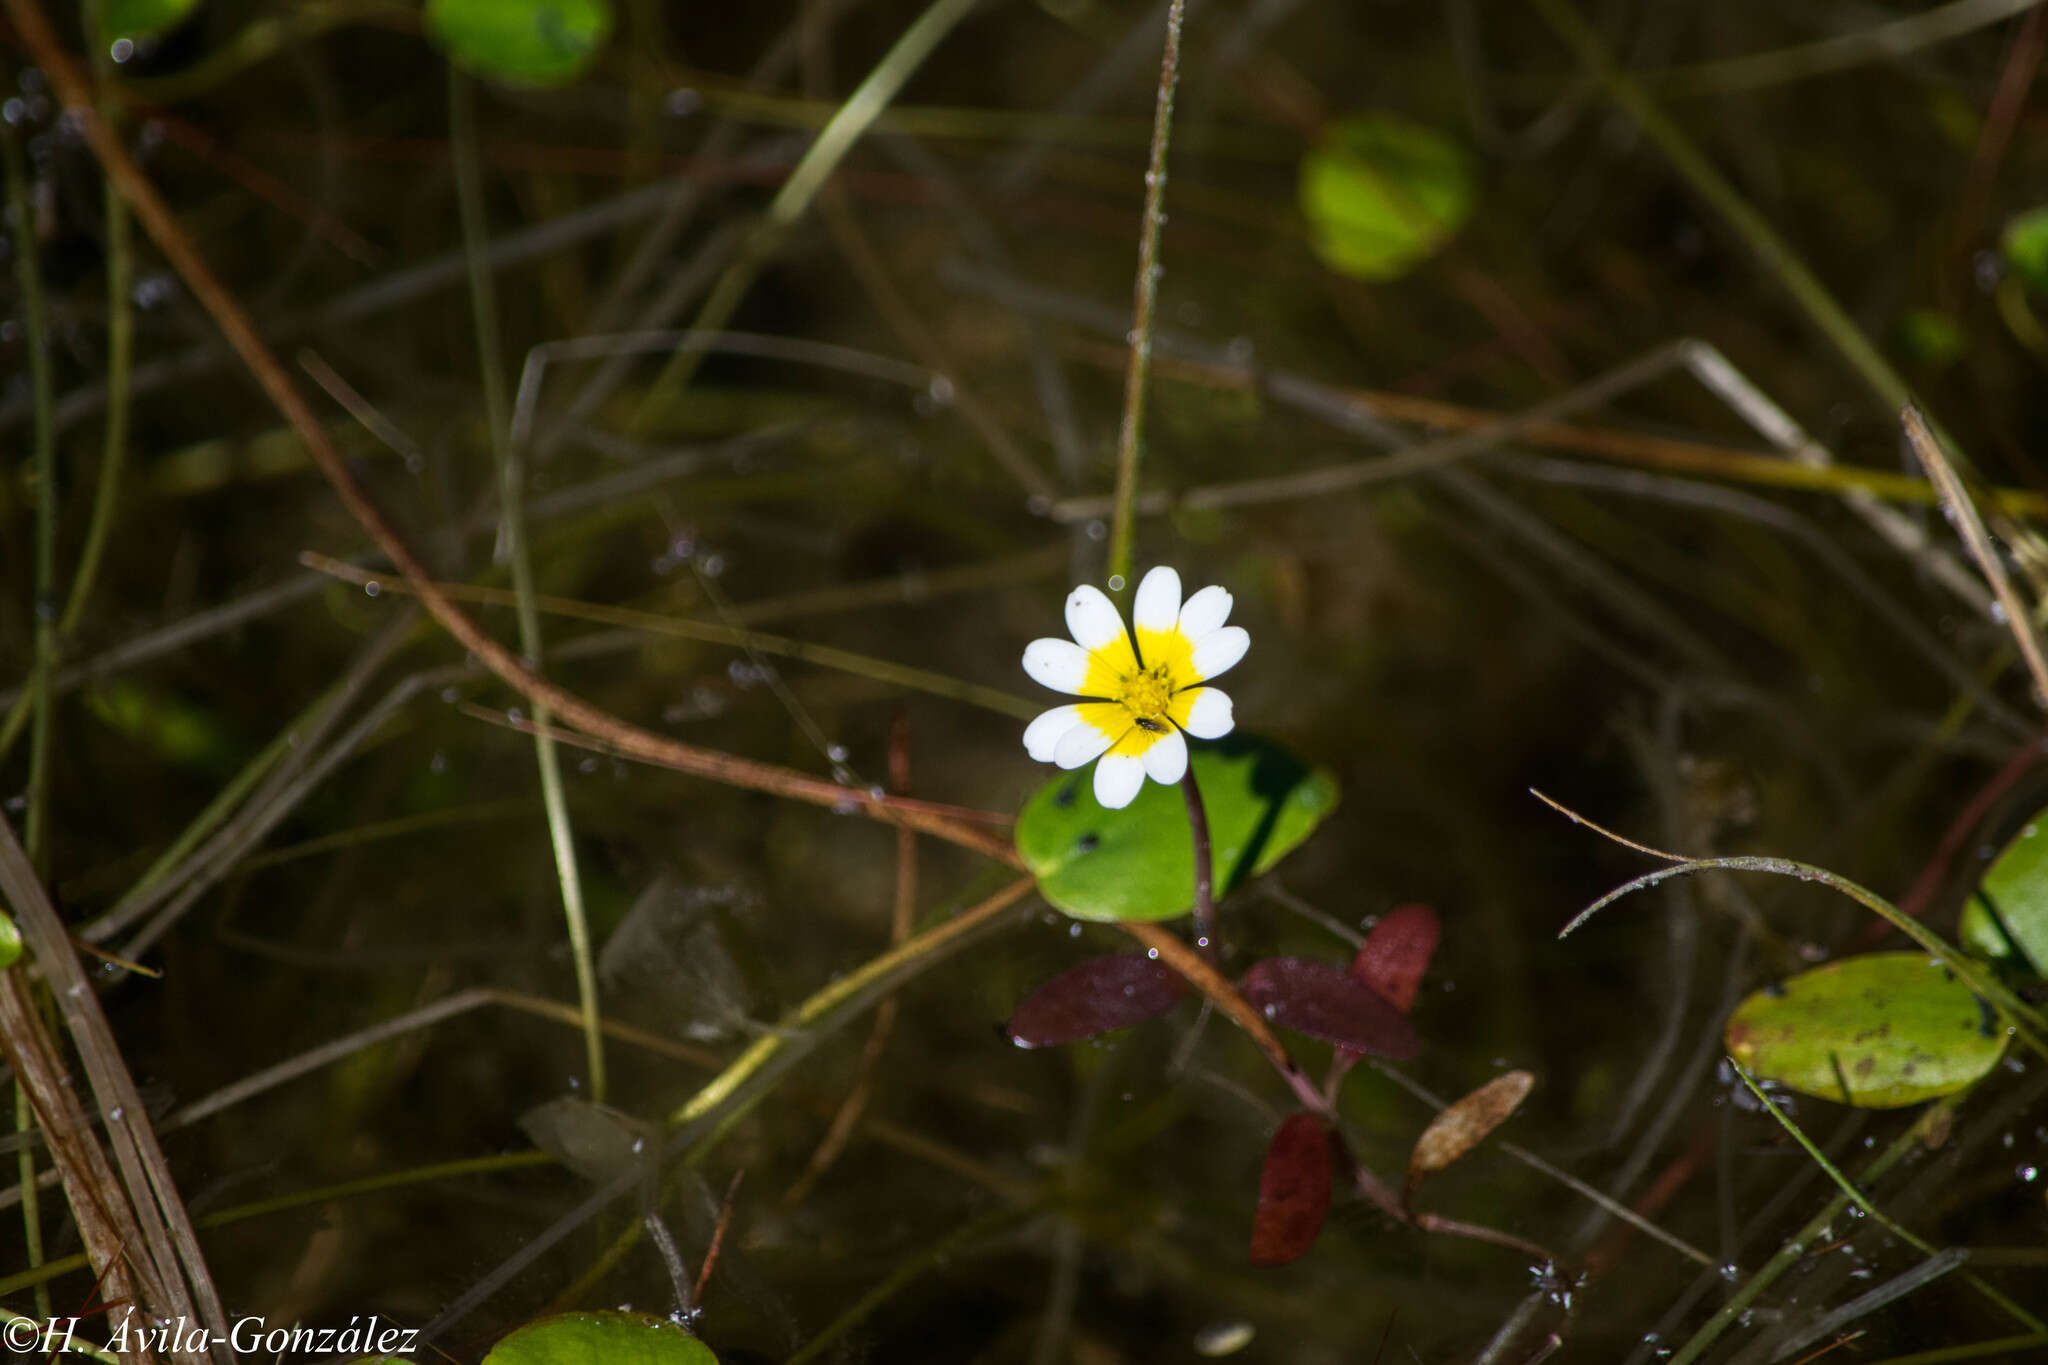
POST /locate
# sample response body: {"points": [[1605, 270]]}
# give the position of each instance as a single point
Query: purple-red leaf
{"points": [[1327, 1002], [1094, 997], [1397, 953], [1294, 1191]]}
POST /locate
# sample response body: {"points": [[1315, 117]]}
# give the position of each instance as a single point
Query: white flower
{"points": [[1141, 698]]}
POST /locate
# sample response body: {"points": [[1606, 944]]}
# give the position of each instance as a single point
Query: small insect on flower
{"points": [[1142, 695]]}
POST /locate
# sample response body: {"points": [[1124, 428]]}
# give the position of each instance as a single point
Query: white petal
{"points": [[1166, 762], [1117, 779], [1217, 651], [1061, 665], [1043, 735], [1210, 717], [1080, 745], [1092, 618], [1157, 605], [1206, 611]]}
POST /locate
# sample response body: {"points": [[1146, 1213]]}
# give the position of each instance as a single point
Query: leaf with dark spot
{"points": [[1294, 1191], [1327, 1002], [1094, 997], [1397, 953], [1464, 1125]]}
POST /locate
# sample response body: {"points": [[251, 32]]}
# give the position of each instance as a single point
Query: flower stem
{"points": [[1205, 891]]}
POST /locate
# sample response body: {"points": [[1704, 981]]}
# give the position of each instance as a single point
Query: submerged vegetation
{"points": [[528, 810]]}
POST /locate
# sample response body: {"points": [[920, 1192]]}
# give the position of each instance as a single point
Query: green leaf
{"points": [[10, 941], [1932, 337], [521, 42], [138, 19], [1138, 863], [2025, 244], [601, 1339], [1382, 194], [2006, 920], [1895, 1028]]}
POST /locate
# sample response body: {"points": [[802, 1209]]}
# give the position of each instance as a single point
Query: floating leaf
{"points": [[1464, 1125], [601, 1339], [1894, 1028], [1397, 953], [1381, 194], [1327, 1002], [1094, 997], [522, 42], [596, 1142], [2025, 246], [2006, 919], [135, 20], [1138, 863], [1294, 1191], [10, 941]]}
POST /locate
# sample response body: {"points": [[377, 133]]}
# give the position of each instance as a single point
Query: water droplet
{"points": [[117, 1113], [121, 50], [372, 588], [2029, 1173], [1116, 582], [1731, 1272], [1223, 1338], [682, 102], [1095, 530], [837, 753]]}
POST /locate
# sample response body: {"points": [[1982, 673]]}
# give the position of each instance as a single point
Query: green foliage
{"points": [[601, 1339], [2025, 244], [173, 730], [137, 19], [10, 941], [2006, 920], [1932, 337], [1138, 863], [521, 42], [1893, 1028], [1382, 194]]}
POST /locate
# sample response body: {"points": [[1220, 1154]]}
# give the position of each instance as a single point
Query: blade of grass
{"points": [[1874, 1213], [512, 543], [1144, 300]]}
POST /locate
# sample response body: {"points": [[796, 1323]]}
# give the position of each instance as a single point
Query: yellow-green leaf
{"points": [[1877, 1032], [2006, 919], [1382, 194], [521, 42], [601, 1339]]}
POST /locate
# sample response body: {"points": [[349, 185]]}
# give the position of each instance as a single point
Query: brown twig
{"points": [[1942, 473]]}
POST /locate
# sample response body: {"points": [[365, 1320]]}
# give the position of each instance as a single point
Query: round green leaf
{"points": [[601, 1339], [522, 42], [1381, 194], [2006, 920], [2025, 244], [1138, 863], [10, 941], [137, 19], [1894, 1028]]}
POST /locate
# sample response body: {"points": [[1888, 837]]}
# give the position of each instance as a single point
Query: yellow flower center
{"points": [[1145, 696]]}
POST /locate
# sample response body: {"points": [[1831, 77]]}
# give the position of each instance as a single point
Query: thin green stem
{"points": [[1130, 442], [1872, 1211], [31, 1198], [1817, 1228], [1205, 873], [873, 95], [120, 351], [873, 974], [2025, 1021], [511, 488], [29, 279]]}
